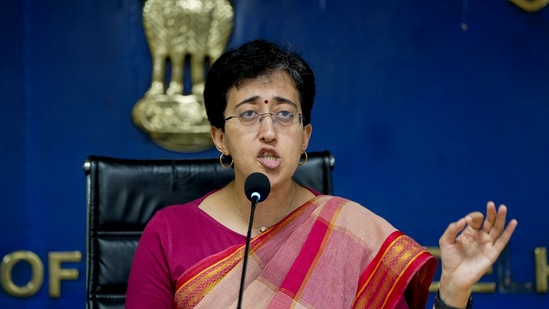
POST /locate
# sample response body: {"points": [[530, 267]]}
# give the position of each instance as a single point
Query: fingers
{"points": [[474, 220], [495, 219], [498, 223], [452, 231], [491, 216], [504, 238], [493, 226]]}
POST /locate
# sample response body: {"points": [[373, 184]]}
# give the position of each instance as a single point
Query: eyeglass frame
{"points": [[260, 116]]}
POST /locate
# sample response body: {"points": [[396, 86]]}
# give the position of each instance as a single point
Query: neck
{"points": [[268, 213]]}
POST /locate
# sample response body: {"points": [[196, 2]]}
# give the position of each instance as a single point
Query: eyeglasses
{"points": [[283, 118]]}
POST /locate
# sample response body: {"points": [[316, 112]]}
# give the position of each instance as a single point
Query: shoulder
{"points": [[361, 224], [346, 207], [174, 217], [352, 216], [179, 209], [175, 212]]}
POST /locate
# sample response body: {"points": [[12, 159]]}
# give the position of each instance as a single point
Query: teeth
{"points": [[269, 156]]}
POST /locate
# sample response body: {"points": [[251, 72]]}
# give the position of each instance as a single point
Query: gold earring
{"points": [[306, 158], [221, 157]]}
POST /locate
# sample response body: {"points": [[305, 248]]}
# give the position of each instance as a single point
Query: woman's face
{"points": [[259, 144]]}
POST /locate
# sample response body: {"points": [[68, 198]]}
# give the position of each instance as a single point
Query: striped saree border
{"points": [[196, 283], [385, 279]]}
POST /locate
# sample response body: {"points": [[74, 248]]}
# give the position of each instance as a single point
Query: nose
{"points": [[267, 131], [270, 115]]}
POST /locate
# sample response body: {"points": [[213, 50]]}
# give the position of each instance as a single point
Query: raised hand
{"points": [[468, 248]]}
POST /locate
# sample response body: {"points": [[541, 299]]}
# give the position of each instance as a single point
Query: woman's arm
{"points": [[149, 284]]}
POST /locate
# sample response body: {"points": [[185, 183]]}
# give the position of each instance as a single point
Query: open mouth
{"points": [[268, 156]]}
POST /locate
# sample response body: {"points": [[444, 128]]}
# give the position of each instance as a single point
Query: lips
{"points": [[269, 159]]}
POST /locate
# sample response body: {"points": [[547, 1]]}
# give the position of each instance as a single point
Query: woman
{"points": [[308, 250]]}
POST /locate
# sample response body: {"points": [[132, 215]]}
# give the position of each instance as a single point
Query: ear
{"points": [[218, 137], [307, 131]]}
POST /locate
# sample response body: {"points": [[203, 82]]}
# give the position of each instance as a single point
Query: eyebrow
{"points": [[276, 98]]}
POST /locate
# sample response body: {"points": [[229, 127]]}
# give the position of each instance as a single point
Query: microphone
{"points": [[257, 187]]}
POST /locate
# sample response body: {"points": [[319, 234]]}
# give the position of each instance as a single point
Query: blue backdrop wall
{"points": [[431, 108]]}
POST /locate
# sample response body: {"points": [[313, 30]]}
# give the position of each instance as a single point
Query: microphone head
{"points": [[257, 186]]}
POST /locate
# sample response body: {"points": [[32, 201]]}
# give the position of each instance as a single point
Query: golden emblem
{"points": [[179, 32], [530, 5]]}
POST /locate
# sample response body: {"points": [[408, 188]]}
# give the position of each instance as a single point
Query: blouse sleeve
{"points": [[149, 284]]}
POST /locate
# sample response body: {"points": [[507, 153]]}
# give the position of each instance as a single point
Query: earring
{"points": [[306, 158], [221, 157]]}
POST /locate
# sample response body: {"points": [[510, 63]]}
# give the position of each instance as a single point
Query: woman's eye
{"points": [[285, 114], [248, 115]]}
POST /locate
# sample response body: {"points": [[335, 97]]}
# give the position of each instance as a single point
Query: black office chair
{"points": [[123, 194]]}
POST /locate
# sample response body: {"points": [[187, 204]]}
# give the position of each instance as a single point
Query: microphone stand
{"points": [[246, 251]]}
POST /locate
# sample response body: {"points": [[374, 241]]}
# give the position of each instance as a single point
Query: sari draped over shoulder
{"points": [[329, 253]]}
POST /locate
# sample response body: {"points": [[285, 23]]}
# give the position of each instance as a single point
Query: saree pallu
{"points": [[329, 253]]}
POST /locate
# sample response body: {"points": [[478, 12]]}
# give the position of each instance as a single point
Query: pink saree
{"points": [[329, 253]]}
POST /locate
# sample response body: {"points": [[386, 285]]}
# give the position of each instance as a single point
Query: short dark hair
{"points": [[253, 59]]}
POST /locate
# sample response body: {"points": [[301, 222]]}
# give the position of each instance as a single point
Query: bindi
{"points": [[266, 101]]}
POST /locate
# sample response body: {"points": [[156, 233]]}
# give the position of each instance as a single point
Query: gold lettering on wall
{"points": [[57, 273], [37, 273], [542, 269]]}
